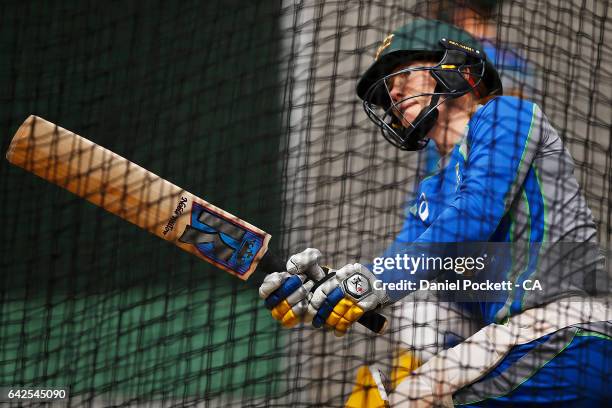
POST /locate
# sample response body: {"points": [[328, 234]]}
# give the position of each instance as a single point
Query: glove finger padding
{"points": [[321, 294], [307, 263], [286, 296], [271, 283], [344, 298], [285, 293]]}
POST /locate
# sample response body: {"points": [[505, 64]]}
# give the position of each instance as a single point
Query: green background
{"points": [[188, 90]]}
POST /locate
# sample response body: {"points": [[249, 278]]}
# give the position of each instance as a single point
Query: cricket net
{"points": [[252, 106]]}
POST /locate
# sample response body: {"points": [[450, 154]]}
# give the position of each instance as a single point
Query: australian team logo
{"points": [[221, 240], [385, 43]]}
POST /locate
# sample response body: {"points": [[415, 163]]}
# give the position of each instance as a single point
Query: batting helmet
{"points": [[462, 66]]}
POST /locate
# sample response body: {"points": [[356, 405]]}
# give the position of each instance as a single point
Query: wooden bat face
{"points": [[143, 198], [139, 196]]}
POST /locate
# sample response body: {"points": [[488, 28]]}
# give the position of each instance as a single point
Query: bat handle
{"points": [[371, 320]]}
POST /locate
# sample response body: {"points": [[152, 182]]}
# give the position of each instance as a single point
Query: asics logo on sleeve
{"points": [[423, 207]]}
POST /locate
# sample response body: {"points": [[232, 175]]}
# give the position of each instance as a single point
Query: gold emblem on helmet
{"points": [[386, 42]]}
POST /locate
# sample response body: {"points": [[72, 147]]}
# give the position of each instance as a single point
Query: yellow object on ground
{"points": [[403, 364], [369, 390], [366, 392]]}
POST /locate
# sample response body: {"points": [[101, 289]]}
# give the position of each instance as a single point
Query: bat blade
{"points": [[137, 195], [143, 198]]}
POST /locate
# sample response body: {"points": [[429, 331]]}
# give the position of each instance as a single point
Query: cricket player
{"points": [[504, 177]]}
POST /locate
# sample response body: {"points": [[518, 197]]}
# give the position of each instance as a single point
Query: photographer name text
{"points": [[458, 285]]}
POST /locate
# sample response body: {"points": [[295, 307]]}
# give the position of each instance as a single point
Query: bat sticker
{"points": [[177, 212], [221, 240]]}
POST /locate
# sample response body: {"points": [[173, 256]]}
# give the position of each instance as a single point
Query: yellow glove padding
{"points": [[345, 313], [284, 314]]}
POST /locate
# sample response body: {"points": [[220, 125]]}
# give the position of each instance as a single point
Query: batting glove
{"points": [[341, 298], [285, 293]]}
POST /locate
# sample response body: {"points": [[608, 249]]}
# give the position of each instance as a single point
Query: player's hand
{"points": [[343, 297], [285, 293]]}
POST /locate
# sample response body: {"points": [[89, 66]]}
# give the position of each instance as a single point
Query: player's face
{"points": [[410, 91]]}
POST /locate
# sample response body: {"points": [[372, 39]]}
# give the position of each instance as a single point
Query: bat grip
{"points": [[371, 320]]}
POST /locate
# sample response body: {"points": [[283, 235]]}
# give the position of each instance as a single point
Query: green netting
{"points": [[91, 302], [252, 106]]}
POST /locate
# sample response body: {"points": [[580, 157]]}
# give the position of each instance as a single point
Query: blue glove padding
{"points": [[343, 297], [327, 307], [285, 293], [289, 286]]}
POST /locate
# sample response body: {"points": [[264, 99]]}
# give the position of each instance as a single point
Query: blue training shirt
{"points": [[510, 179]]}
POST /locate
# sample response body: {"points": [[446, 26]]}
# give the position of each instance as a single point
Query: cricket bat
{"points": [[152, 203]]}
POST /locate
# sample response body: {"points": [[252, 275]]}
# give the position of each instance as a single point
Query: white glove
{"points": [[285, 293], [343, 297]]}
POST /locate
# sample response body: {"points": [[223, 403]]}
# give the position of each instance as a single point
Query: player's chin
{"points": [[407, 120], [407, 117]]}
